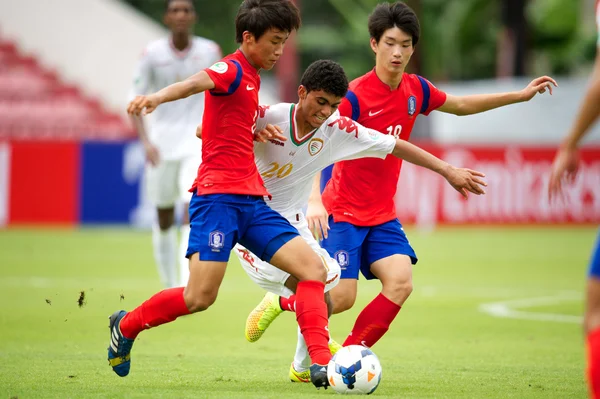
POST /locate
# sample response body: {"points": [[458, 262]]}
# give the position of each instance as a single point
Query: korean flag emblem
{"points": [[342, 258], [412, 105], [216, 240]]}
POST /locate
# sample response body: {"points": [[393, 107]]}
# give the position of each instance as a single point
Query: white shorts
{"points": [[169, 181], [271, 278]]}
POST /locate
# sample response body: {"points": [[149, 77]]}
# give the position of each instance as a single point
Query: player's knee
{"points": [[315, 272], [398, 291], [199, 302]]}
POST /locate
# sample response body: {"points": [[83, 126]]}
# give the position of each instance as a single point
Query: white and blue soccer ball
{"points": [[354, 370]]}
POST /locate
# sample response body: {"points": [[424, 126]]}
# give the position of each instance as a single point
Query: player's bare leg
{"points": [[297, 258], [395, 274], [164, 242]]}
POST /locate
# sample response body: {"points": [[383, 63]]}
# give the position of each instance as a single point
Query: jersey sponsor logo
{"points": [[216, 240], [262, 109], [315, 146], [371, 113], [373, 134], [345, 124], [342, 258], [412, 105], [248, 87], [219, 67]]}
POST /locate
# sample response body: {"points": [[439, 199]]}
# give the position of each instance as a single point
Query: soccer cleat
{"points": [[318, 375], [299, 376], [334, 347], [119, 350], [262, 316]]}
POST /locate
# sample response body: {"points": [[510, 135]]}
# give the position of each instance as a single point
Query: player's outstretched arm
{"points": [[566, 162], [193, 85], [474, 104], [463, 180]]}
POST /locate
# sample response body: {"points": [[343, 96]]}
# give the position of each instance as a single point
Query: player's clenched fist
{"points": [[143, 105], [466, 180]]}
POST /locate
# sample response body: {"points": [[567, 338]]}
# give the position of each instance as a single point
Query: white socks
{"points": [[184, 263], [301, 358], [164, 244]]}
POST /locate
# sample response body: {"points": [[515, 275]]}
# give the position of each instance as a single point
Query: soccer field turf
{"points": [[442, 345]]}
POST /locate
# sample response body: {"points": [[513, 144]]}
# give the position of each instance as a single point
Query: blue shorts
{"points": [[357, 247], [219, 221], [594, 270]]}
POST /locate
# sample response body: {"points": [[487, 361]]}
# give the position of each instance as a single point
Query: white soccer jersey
{"points": [[288, 168], [173, 125]]}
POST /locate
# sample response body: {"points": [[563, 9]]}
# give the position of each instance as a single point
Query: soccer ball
{"points": [[354, 370]]}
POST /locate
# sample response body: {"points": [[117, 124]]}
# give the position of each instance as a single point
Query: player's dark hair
{"points": [[258, 16], [325, 75], [168, 3], [388, 15]]}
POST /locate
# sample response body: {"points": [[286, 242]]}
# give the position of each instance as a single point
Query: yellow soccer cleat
{"points": [[262, 316], [299, 376], [334, 347]]}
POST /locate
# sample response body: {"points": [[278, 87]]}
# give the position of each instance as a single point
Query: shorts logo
{"points": [[216, 240], [219, 67], [315, 146], [342, 258], [412, 105]]}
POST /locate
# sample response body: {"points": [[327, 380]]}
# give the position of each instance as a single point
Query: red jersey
{"points": [[362, 191], [230, 113]]}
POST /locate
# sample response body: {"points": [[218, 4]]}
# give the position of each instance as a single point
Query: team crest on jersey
{"points": [[342, 259], [315, 146], [412, 105], [219, 67], [216, 240]]}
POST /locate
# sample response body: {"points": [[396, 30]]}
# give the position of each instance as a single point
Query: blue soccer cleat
{"points": [[119, 350], [318, 375]]}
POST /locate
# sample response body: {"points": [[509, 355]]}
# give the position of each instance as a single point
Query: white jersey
{"points": [[288, 168], [173, 125]]}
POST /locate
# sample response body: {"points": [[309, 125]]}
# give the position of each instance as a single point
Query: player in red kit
{"points": [[356, 213], [565, 168], [227, 204]]}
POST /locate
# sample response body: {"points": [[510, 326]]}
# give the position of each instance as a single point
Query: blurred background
{"points": [[66, 69]]}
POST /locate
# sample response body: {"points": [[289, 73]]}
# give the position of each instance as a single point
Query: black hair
{"points": [[168, 3], [325, 75], [258, 16], [388, 15]]}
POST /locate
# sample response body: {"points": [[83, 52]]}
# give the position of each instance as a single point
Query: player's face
{"points": [[265, 51], [316, 106], [180, 16], [393, 50]]}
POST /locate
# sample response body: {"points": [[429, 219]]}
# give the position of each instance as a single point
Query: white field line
{"points": [[510, 308]]}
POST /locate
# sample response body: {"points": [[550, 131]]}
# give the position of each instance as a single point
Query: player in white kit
{"points": [[172, 152], [317, 136]]}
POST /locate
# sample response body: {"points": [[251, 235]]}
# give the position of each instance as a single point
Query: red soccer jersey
{"points": [[362, 191], [230, 113]]}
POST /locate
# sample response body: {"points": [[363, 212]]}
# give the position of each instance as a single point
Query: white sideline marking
{"points": [[508, 309]]}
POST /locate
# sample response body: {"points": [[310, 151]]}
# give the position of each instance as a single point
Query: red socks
{"points": [[311, 314], [288, 304], [593, 363], [162, 308], [373, 322]]}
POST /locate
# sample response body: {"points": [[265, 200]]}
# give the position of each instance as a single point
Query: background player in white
{"points": [[565, 167], [315, 137], [172, 152]]}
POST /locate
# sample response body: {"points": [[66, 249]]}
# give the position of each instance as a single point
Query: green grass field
{"points": [[442, 344]]}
